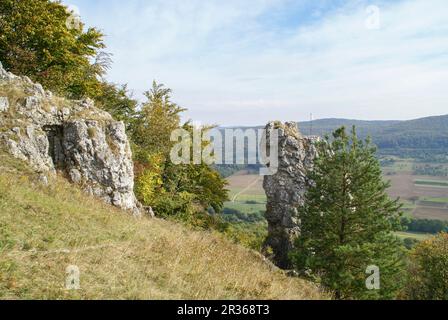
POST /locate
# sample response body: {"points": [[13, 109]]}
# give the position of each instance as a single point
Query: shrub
{"points": [[428, 271], [149, 180]]}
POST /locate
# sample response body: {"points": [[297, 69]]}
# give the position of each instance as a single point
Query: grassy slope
{"points": [[414, 235], [43, 230]]}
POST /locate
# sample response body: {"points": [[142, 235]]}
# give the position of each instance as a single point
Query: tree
{"points": [[156, 121], [428, 270], [36, 40], [199, 179], [347, 221], [116, 100], [184, 191]]}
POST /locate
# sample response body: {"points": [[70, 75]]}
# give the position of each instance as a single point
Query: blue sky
{"points": [[246, 62]]}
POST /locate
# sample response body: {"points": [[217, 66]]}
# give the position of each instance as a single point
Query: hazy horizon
{"points": [[248, 62]]}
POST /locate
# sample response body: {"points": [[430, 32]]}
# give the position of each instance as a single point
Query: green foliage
{"points": [[116, 100], [156, 121], [247, 229], [428, 272], [35, 41], [149, 180], [234, 215], [410, 243], [200, 180], [250, 235], [184, 191], [424, 225], [348, 220]]}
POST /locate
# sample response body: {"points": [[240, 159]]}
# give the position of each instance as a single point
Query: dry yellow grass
{"points": [[45, 229]]}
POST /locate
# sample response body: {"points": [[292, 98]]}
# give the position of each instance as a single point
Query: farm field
{"points": [[428, 201], [423, 197], [246, 193], [414, 235]]}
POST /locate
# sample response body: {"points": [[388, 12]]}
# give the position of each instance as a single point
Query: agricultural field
{"points": [[414, 235], [246, 193], [423, 197]]}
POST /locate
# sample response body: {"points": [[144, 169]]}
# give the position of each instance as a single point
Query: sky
{"points": [[247, 62]]}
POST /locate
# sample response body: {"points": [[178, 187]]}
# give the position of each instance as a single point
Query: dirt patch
{"points": [[248, 183], [403, 186], [431, 213]]}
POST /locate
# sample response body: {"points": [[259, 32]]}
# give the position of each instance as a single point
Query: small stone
{"points": [[98, 192], [75, 176], [31, 102], [292, 273], [116, 199], [39, 89], [149, 212], [87, 103], [27, 80], [30, 131], [43, 179], [65, 113], [4, 104]]}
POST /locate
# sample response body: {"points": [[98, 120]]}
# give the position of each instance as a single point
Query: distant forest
{"points": [[424, 139]]}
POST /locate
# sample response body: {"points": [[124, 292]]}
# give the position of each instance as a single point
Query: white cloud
{"points": [[228, 66]]}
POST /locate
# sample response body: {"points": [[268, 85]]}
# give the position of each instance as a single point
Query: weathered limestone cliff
{"points": [[286, 188], [72, 137]]}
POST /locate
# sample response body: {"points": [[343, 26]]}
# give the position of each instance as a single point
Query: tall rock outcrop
{"points": [[285, 189], [72, 137]]}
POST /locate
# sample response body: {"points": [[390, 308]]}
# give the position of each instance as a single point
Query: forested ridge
{"points": [[419, 138]]}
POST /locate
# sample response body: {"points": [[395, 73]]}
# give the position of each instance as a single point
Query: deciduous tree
{"points": [[37, 40]]}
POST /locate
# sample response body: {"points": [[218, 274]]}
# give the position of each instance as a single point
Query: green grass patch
{"points": [[431, 183], [438, 200], [398, 165], [245, 207], [414, 235]]}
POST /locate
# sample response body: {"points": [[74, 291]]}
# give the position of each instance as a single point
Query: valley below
{"points": [[422, 196]]}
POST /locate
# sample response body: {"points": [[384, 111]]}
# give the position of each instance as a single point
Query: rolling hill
{"points": [[424, 139], [45, 229], [419, 138]]}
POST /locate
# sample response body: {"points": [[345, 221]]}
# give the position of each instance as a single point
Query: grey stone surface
{"points": [[285, 190], [72, 137], [4, 104]]}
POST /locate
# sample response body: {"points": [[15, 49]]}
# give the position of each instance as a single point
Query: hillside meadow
{"points": [[45, 229]]}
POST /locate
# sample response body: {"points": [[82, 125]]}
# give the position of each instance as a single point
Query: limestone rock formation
{"points": [[286, 188], [71, 137]]}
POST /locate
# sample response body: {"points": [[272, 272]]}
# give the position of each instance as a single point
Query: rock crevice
{"points": [[72, 137]]}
